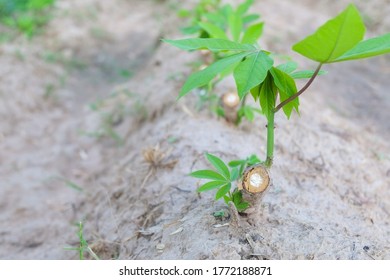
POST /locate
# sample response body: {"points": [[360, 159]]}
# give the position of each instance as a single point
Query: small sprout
{"points": [[223, 178], [83, 244]]}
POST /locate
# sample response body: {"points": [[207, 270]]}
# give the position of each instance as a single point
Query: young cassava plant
{"points": [[210, 19], [273, 86]]}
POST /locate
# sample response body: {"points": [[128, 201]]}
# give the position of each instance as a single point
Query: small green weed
{"points": [[83, 244]]}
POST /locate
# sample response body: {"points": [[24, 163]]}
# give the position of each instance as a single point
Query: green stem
{"points": [[270, 140]]}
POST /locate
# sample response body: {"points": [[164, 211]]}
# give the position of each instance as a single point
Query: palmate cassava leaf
{"points": [[235, 25], [251, 72], [212, 44], [305, 74], [211, 186], [368, 48], [207, 174], [219, 165], [234, 174], [334, 38], [244, 7], [250, 18], [203, 77], [253, 33], [223, 191], [288, 67], [287, 87]]}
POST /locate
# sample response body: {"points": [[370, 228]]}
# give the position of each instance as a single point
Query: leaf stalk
{"points": [[302, 90]]}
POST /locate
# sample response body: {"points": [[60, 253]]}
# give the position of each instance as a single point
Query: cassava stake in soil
{"points": [[339, 39]]}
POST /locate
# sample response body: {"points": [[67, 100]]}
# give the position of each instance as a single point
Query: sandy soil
{"points": [[330, 197]]}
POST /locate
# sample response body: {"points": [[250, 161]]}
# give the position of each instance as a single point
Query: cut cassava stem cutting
{"points": [[230, 102], [255, 183]]}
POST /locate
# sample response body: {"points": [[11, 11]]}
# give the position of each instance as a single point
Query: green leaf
{"points": [[334, 38], [213, 30], [235, 25], [305, 74], [368, 48], [268, 96], [234, 174], [287, 88], [215, 18], [211, 185], [223, 191], [212, 44], [235, 163], [227, 199], [207, 174], [242, 206], [228, 70], [250, 18], [252, 160], [236, 197], [244, 7], [203, 77], [288, 67], [219, 165], [251, 72], [253, 33], [189, 30], [249, 113], [255, 92]]}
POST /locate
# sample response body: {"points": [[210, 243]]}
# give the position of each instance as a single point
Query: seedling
{"points": [[25, 15], [339, 39], [211, 20], [223, 177]]}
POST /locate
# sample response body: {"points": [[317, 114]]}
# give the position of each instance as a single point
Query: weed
{"points": [[83, 244], [339, 39]]}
